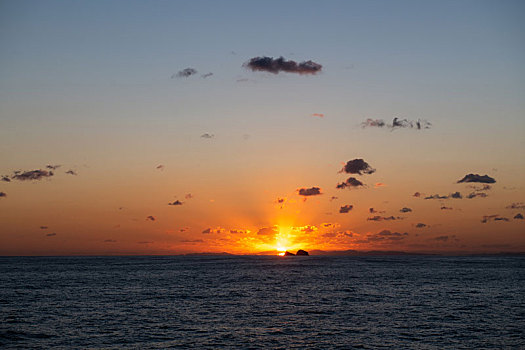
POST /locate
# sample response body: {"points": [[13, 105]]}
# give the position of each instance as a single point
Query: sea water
{"points": [[253, 302]]}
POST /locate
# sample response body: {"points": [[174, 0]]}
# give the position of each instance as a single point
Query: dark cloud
{"points": [[518, 205], [495, 217], [386, 236], [71, 172], [383, 218], [281, 200], [421, 225], [208, 230], [405, 210], [276, 65], [476, 194], [455, 195], [445, 208], [351, 182], [477, 178], [31, 175], [53, 167], [3, 194], [5, 178], [357, 166], [267, 231], [397, 123], [346, 208], [177, 202], [160, 167], [51, 234], [110, 241], [207, 75], [312, 191], [43, 227], [150, 218], [187, 72], [207, 136], [417, 194], [518, 216]]}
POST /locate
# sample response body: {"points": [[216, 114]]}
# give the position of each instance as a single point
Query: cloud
{"points": [[239, 231], [446, 208], [387, 236], [280, 200], [345, 209], [477, 178], [177, 202], [405, 210], [43, 227], [51, 234], [441, 238], [495, 217], [208, 230], [145, 242], [351, 182], [333, 198], [476, 194], [3, 194], [150, 218], [518, 216], [53, 167], [379, 184], [416, 194], [418, 124], [214, 230], [421, 225], [518, 205], [160, 167], [5, 178], [110, 241], [71, 172], [185, 73], [31, 175], [207, 75], [276, 65], [207, 136], [383, 218], [191, 241], [455, 195], [268, 231], [320, 115], [189, 196], [312, 191], [357, 166]]}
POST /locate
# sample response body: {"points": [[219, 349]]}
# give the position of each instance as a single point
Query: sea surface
{"points": [[254, 302]]}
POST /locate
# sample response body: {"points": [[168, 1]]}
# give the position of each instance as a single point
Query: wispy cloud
{"points": [[207, 136], [185, 73], [518, 205], [383, 218], [276, 65], [495, 217], [71, 172], [397, 123], [207, 75], [53, 167], [31, 175], [51, 234]]}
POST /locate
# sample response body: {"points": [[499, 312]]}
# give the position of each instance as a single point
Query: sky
{"points": [[173, 127]]}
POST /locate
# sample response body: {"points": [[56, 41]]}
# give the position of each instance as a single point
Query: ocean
{"points": [[254, 302]]}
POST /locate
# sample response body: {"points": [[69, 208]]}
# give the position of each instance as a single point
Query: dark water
{"points": [[415, 302]]}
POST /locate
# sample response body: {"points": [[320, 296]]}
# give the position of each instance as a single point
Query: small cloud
{"points": [[379, 184], [51, 234], [5, 178], [268, 231], [43, 227], [31, 175], [185, 73], [441, 238], [207, 136], [357, 166], [373, 123], [214, 230], [477, 178], [241, 231], [150, 218], [177, 202], [518, 205], [446, 208], [3, 194], [345, 209], [333, 198], [271, 65], [280, 200], [386, 236], [476, 194], [351, 182], [189, 196], [207, 75], [160, 167], [53, 167], [416, 194], [495, 217], [373, 211], [110, 241], [71, 172], [418, 124], [421, 225], [518, 216], [312, 191], [405, 210], [456, 195], [320, 115], [383, 218], [208, 230]]}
